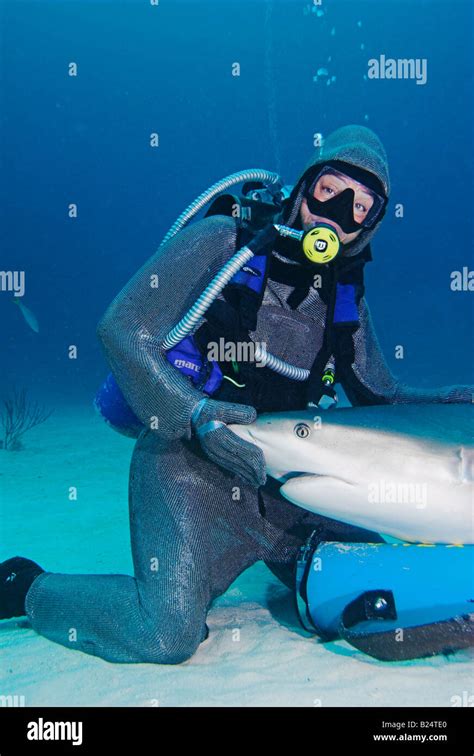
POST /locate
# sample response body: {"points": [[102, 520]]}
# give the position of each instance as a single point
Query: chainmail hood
{"points": [[357, 146]]}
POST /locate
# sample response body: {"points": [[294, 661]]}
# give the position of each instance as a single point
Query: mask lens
{"points": [[373, 212]]}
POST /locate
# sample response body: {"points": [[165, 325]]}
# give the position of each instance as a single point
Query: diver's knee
{"points": [[170, 649], [173, 642]]}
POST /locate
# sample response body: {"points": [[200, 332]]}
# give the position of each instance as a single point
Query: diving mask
{"points": [[329, 197]]}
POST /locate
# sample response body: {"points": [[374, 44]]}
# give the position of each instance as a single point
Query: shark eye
{"points": [[302, 430]]}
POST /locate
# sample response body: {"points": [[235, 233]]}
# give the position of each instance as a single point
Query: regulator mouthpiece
{"points": [[321, 243]]}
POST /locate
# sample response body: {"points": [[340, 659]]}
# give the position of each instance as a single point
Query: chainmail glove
{"points": [[224, 447]]}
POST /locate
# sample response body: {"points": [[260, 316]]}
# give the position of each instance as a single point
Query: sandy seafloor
{"points": [[275, 663]]}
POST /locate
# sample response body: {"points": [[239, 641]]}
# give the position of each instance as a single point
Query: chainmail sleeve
{"points": [[372, 371], [140, 316]]}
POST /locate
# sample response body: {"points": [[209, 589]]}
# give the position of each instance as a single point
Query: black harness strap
{"points": [[338, 336], [301, 569]]}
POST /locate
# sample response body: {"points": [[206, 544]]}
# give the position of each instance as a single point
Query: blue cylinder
{"points": [[113, 407], [430, 583]]}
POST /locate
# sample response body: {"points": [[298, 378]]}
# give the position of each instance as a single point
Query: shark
{"points": [[402, 470]]}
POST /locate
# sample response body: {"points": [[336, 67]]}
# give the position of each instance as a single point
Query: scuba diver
{"points": [[201, 508]]}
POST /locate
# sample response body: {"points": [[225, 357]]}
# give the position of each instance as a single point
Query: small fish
{"points": [[29, 317], [323, 72]]}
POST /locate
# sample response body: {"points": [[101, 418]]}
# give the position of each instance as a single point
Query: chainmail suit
{"points": [[195, 526]]}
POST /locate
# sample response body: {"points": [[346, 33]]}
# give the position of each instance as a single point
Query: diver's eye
{"points": [[302, 430], [362, 209], [328, 190]]}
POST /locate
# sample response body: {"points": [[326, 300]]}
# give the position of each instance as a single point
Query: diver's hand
{"points": [[223, 446]]}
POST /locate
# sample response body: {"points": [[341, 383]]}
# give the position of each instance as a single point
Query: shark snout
{"points": [[286, 445], [243, 431]]}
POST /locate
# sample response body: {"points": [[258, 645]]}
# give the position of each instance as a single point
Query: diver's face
{"points": [[330, 185]]}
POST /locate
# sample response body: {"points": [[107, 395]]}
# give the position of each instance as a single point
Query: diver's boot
{"points": [[16, 577]]}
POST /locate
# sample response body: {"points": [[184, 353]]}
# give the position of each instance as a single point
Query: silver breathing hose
{"points": [[280, 366], [210, 293], [202, 304], [251, 174], [231, 267]]}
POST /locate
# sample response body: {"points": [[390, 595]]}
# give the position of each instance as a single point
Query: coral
{"points": [[17, 416]]}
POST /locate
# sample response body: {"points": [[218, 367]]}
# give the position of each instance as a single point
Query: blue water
{"points": [[167, 69]]}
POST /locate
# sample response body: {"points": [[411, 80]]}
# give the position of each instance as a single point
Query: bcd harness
{"points": [[235, 315]]}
